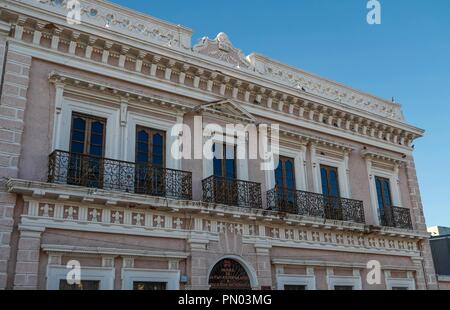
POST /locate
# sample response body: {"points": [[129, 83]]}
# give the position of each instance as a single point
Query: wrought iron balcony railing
{"points": [[315, 205], [396, 217], [232, 192], [110, 174]]}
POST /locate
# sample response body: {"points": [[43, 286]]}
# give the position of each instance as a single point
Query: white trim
{"points": [[408, 283], [354, 281], [299, 156], [134, 120], [248, 268], [130, 275], [340, 164], [104, 275], [287, 279], [112, 130], [241, 164]]}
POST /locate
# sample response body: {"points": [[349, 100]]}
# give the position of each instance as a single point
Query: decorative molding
{"points": [[222, 49], [310, 84], [55, 249], [114, 18]]}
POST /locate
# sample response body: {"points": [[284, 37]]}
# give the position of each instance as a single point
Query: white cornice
{"points": [[317, 263], [197, 94], [330, 93], [111, 251]]}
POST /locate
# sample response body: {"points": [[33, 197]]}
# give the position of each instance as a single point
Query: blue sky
{"points": [[406, 57]]}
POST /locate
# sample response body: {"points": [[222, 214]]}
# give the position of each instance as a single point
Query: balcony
{"points": [[232, 192], [315, 205], [396, 217], [109, 174]]}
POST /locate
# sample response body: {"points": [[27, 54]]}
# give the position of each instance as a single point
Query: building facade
{"points": [[89, 179], [440, 249], [439, 231]]}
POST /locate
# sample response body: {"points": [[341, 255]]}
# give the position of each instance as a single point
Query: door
{"points": [[150, 162], [285, 184], [87, 149], [330, 190]]}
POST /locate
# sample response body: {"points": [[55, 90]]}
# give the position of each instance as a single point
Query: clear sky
{"points": [[406, 57]]}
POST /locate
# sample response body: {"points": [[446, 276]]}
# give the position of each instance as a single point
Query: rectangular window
{"points": [[343, 288], [149, 286], [150, 159], [285, 182], [224, 161], [85, 285], [294, 287], [399, 288], [384, 200], [330, 189], [330, 181], [87, 148]]}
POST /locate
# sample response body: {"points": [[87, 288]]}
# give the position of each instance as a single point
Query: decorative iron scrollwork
{"points": [[116, 175], [315, 205], [232, 192]]}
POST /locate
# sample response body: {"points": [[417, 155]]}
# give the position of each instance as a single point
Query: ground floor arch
{"points": [[231, 273]]}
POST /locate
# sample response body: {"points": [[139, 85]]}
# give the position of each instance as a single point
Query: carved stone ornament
{"points": [[107, 15], [222, 49]]}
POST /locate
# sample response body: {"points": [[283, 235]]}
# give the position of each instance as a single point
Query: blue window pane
{"points": [[77, 147], [379, 195], [289, 175], [96, 151], [157, 140], [97, 139], [230, 171], [79, 124], [279, 175], [142, 136], [217, 167], [387, 193], [334, 187], [97, 127], [142, 158], [324, 177], [78, 135]]}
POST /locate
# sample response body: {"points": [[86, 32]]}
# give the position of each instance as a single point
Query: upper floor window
{"points": [[330, 181], [285, 182], [284, 174], [224, 161], [87, 146], [384, 198], [150, 146], [87, 135]]}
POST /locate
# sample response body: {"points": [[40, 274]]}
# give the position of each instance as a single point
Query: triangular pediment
{"points": [[228, 109]]}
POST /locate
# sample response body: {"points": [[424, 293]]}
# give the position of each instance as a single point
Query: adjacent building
{"points": [[440, 248], [439, 231], [89, 179]]}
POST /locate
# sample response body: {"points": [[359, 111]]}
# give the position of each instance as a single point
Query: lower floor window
{"points": [[85, 285], [399, 288], [149, 286], [343, 288], [294, 287]]}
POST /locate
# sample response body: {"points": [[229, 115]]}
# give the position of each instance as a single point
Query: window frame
{"points": [[151, 132], [89, 120], [330, 169]]}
